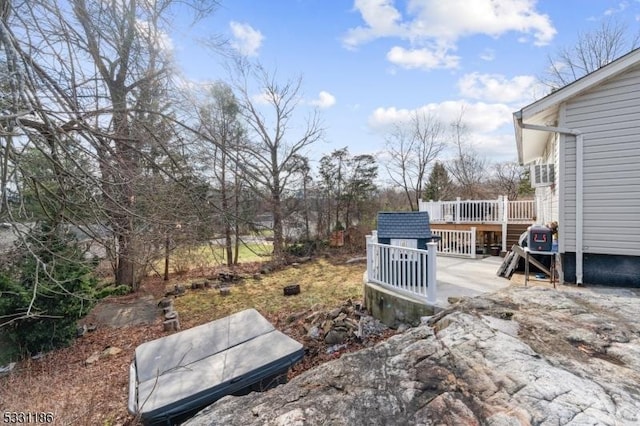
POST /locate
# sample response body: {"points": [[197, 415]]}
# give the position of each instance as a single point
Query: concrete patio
{"points": [[459, 277]]}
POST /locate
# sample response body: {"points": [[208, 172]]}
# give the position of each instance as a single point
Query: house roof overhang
{"points": [[545, 112]]}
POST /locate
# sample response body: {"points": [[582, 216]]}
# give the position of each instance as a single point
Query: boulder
{"points": [[517, 357]]}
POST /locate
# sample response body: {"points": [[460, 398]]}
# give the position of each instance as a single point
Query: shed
{"points": [[405, 229]]}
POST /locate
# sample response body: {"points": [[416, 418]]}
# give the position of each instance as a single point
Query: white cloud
{"points": [[488, 55], [161, 39], [263, 98], [246, 39], [382, 19], [621, 7], [478, 117], [442, 23], [488, 126], [452, 19], [422, 58], [325, 100], [497, 88]]}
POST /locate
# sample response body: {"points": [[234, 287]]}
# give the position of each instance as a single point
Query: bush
{"points": [[112, 290], [46, 291], [305, 248]]}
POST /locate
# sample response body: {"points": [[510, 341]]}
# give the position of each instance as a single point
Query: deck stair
{"points": [[514, 231]]}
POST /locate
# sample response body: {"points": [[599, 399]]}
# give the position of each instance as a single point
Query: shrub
{"points": [[48, 288], [305, 248]]}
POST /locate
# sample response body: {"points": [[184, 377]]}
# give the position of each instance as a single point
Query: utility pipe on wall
{"points": [[579, 187]]}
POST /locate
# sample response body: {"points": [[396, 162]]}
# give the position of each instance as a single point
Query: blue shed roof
{"points": [[413, 225]]}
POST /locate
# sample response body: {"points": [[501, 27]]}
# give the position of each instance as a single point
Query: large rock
{"points": [[518, 357]]}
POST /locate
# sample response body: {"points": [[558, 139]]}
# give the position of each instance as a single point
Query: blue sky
{"points": [[366, 64]]}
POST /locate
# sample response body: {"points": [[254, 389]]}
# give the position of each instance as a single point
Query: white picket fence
{"points": [[406, 270], [456, 243]]}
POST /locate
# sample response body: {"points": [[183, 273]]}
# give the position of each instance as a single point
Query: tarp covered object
{"points": [[177, 375]]}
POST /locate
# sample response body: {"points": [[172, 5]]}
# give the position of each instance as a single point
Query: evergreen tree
{"points": [[46, 292], [439, 186]]}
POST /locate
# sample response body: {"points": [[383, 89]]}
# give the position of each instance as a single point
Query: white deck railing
{"points": [[480, 211], [403, 269], [521, 211], [456, 243]]}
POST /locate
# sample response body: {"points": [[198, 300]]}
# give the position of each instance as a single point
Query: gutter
{"points": [[579, 184]]}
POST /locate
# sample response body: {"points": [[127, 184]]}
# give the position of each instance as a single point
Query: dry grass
{"points": [[80, 394], [322, 285], [188, 258]]}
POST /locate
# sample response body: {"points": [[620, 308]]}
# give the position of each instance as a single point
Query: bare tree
{"points": [[594, 49], [467, 167], [508, 177], [270, 155], [90, 77], [412, 149]]}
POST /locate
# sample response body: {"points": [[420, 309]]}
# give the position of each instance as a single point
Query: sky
{"points": [[367, 64]]}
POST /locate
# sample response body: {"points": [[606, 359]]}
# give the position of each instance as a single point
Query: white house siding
{"points": [[609, 118], [547, 196]]}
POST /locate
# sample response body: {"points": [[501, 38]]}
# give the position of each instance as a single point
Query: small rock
{"points": [[7, 369], [110, 351], [335, 337], [165, 302], [257, 277], [93, 358], [425, 320], [80, 331], [336, 348], [335, 312], [314, 332], [225, 291], [403, 327]]}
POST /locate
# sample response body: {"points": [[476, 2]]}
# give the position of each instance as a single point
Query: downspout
{"points": [[579, 186]]}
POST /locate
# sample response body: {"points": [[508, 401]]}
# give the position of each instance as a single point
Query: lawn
{"points": [[322, 285], [204, 256]]}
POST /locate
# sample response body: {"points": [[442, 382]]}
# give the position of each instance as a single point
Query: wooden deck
{"points": [[497, 222]]}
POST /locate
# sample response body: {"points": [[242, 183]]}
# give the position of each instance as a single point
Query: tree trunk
{"points": [[125, 272], [228, 245], [278, 234], [166, 258]]}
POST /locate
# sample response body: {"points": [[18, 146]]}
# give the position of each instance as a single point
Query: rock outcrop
{"points": [[517, 357]]}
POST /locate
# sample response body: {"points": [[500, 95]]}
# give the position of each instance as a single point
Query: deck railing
{"points": [[457, 243], [521, 211], [480, 211], [402, 269]]}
